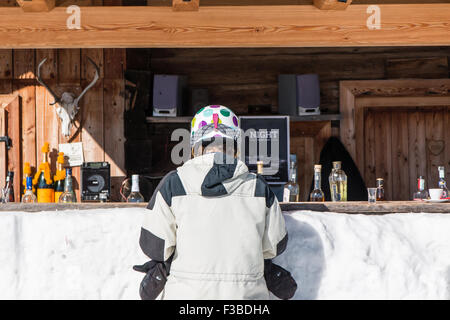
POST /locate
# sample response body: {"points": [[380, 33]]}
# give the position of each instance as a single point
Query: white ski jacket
{"points": [[218, 222]]}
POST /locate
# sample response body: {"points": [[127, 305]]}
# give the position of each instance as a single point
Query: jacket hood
{"points": [[213, 174]]}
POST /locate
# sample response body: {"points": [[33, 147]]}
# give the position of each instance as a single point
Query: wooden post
{"points": [[36, 5], [185, 5]]}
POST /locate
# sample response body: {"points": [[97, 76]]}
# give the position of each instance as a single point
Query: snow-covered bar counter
{"points": [[86, 251]]}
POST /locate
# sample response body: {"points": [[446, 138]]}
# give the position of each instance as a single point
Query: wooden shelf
{"points": [[321, 117]]}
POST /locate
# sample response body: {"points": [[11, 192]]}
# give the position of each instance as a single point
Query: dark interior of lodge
{"points": [[389, 105]]}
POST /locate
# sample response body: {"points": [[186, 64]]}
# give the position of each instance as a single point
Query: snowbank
{"points": [[89, 255]]}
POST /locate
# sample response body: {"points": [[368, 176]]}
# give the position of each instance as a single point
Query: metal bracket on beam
{"points": [[185, 5], [332, 4], [7, 141], [36, 5]]}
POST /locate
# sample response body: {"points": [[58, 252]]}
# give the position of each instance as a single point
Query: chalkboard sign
{"points": [[266, 138]]}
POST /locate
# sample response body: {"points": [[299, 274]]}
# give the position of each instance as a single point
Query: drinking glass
{"points": [[372, 193]]}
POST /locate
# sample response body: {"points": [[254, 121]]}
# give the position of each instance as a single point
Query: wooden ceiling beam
{"points": [[36, 5], [226, 26], [185, 5], [332, 4]]}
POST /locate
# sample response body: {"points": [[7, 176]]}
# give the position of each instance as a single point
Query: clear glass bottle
{"points": [[29, 196], [338, 183], [443, 183], [68, 195], [380, 190], [8, 190], [260, 167], [317, 194], [421, 193], [291, 190], [135, 195]]}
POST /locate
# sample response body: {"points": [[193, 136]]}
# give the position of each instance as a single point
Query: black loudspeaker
{"points": [[95, 181], [199, 99], [298, 94], [168, 95]]}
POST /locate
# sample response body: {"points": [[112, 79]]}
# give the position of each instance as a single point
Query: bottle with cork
{"points": [[317, 194], [43, 180]]}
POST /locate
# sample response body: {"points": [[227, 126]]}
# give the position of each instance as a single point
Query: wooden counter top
{"points": [[340, 207]]}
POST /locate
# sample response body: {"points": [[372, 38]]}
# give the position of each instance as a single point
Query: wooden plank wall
{"points": [[101, 108], [69, 70]]}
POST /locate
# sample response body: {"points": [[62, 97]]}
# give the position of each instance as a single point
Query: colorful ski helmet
{"points": [[214, 121]]}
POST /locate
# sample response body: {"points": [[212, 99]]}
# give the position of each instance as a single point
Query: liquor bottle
{"points": [[68, 196], [317, 194], [43, 179], [338, 183], [8, 191], [443, 183], [29, 196], [260, 167], [291, 190], [26, 174], [59, 177], [421, 193], [380, 190], [135, 195]]}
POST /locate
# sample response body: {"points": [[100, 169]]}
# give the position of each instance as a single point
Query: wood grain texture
{"points": [[93, 124], [49, 69], [114, 108], [433, 67], [233, 26], [27, 92], [6, 63], [400, 156], [69, 66], [36, 5], [417, 149], [3, 152], [24, 64], [15, 153]]}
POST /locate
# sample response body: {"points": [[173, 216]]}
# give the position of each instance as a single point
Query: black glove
{"points": [[279, 281], [154, 280]]}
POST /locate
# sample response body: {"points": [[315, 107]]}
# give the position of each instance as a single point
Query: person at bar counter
{"points": [[213, 227]]}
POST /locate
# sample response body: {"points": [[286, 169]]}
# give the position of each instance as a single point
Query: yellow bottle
{"points": [[43, 180], [59, 176]]}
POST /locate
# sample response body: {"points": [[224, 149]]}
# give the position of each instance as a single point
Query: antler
{"points": [[38, 78], [97, 71]]}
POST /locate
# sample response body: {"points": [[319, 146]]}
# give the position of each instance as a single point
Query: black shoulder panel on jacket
{"points": [[281, 246], [152, 245], [262, 189], [170, 186]]}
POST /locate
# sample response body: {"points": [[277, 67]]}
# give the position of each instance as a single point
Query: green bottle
{"points": [[69, 195]]}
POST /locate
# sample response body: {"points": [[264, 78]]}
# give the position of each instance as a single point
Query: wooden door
{"points": [[402, 144]]}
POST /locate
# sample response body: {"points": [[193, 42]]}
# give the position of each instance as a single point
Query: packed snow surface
{"points": [[89, 255]]}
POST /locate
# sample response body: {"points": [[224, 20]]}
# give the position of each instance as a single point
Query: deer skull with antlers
{"points": [[67, 107]]}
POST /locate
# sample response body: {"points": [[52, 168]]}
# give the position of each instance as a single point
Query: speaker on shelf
{"points": [[95, 181], [168, 95], [298, 94]]}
